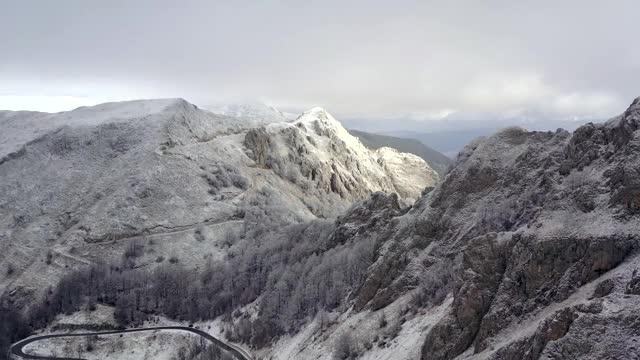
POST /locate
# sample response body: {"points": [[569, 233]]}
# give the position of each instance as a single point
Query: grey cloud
{"points": [[359, 59]]}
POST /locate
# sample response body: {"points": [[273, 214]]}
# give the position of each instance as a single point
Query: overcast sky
{"points": [[378, 60]]}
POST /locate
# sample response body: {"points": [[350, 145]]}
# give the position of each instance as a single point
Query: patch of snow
{"points": [[313, 342], [151, 345]]}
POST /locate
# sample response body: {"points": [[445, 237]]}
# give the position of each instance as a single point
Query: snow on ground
{"points": [[330, 149], [318, 115], [408, 343], [314, 341], [193, 247], [402, 166], [20, 127], [185, 220], [101, 315], [151, 345], [372, 341]]}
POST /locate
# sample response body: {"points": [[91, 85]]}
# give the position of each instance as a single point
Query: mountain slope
{"points": [[528, 249], [542, 231], [175, 181], [436, 160]]}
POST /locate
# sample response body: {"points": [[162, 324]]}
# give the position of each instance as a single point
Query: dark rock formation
{"points": [[633, 286], [259, 142], [536, 216], [603, 288]]}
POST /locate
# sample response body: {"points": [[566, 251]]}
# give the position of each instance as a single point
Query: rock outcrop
{"points": [[537, 220], [317, 153]]}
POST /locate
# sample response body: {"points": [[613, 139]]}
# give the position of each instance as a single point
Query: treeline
{"points": [[293, 272], [13, 327], [296, 274]]}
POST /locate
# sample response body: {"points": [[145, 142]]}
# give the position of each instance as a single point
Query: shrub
{"points": [[382, 320], [199, 233], [345, 347], [91, 304], [49, 258], [239, 181], [394, 328], [90, 343], [134, 249], [10, 269]]}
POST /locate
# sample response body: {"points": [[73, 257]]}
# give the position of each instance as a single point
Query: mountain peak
{"points": [[320, 121], [635, 106], [317, 113]]}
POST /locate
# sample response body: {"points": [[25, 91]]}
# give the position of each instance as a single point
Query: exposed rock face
{"points": [[318, 154], [258, 141], [551, 329], [373, 213], [633, 286], [538, 218], [371, 219], [603, 288], [482, 269], [598, 334]]}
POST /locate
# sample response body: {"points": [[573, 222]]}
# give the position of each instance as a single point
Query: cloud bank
{"points": [[372, 60]]}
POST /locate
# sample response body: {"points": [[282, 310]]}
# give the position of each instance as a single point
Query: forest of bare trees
{"points": [[12, 327], [292, 272]]}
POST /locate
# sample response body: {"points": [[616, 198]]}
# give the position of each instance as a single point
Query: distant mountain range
{"points": [[448, 143], [409, 144], [449, 135]]}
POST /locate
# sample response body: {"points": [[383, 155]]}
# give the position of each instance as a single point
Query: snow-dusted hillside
{"points": [[81, 186], [528, 249], [535, 235], [403, 166], [21, 127]]}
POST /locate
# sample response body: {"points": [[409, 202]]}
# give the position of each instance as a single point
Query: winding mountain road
{"points": [[17, 348]]}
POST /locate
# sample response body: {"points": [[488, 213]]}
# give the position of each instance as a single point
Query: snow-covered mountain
{"points": [[534, 236], [80, 186], [527, 249], [318, 153]]}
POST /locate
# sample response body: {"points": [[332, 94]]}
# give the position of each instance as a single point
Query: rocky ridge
{"points": [[318, 153], [541, 231]]}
